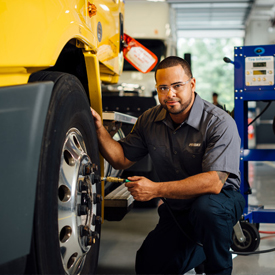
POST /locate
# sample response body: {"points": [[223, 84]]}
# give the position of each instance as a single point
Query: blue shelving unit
{"points": [[254, 81]]}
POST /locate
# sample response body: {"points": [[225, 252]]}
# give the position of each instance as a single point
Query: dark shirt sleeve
{"points": [[133, 144], [223, 148]]}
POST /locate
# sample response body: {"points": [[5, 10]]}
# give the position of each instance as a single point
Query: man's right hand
{"points": [[110, 149], [97, 119]]}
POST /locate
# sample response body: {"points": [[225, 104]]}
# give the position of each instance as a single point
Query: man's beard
{"points": [[175, 111]]}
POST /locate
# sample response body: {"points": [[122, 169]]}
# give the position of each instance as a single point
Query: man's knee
{"points": [[205, 209]]}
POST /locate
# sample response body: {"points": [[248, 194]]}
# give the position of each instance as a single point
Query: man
{"points": [[215, 100], [195, 148]]}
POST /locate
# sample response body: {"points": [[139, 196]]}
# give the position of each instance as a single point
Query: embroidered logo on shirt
{"points": [[194, 144]]}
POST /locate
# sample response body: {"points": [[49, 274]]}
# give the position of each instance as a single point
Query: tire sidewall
{"points": [[69, 108]]}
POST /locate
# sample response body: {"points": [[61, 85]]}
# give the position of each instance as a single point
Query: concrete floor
{"points": [[121, 240]]}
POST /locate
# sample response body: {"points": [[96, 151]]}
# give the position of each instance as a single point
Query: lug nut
{"points": [[97, 198], [94, 167], [92, 238], [95, 235], [82, 210], [87, 169], [95, 178], [83, 186], [96, 220], [84, 231]]}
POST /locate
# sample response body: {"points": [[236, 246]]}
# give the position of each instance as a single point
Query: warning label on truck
{"points": [[140, 58]]}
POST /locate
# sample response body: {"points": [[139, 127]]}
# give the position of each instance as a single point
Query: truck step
{"points": [[117, 203], [120, 197]]}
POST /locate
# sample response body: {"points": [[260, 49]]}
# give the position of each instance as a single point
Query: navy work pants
{"points": [[210, 221]]}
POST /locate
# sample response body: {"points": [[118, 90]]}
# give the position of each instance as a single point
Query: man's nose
{"points": [[171, 92]]}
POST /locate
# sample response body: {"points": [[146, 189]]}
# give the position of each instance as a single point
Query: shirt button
{"points": [[177, 171], [174, 132], [175, 152], [154, 148], [193, 156]]}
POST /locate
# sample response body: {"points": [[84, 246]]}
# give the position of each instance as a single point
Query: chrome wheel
{"points": [[77, 203]]}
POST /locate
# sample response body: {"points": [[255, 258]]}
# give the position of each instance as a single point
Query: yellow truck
{"points": [[54, 56]]}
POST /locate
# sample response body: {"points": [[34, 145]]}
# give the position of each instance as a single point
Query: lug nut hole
{"points": [[77, 143], [64, 193], [69, 158], [65, 233], [71, 261]]}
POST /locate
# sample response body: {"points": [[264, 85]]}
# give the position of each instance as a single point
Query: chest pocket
{"points": [[158, 153], [191, 160]]}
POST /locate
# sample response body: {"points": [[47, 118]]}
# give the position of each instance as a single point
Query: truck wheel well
{"points": [[71, 60]]}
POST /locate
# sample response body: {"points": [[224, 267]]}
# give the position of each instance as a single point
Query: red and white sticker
{"points": [[139, 56]]}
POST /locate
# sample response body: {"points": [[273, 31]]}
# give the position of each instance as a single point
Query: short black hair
{"points": [[214, 94], [172, 61]]}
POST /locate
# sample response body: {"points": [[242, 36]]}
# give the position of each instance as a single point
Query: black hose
{"points": [[180, 228], [265, 108], [253, 252]]}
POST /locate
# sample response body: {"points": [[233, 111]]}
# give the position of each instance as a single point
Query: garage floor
{"points": [[120, 240]]}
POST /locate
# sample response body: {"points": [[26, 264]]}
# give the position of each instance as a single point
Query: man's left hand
{"points": [[141, 188]]}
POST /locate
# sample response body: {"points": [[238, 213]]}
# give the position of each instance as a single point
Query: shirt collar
{"points": [[165, 118], [162, 115], [194, 117]]}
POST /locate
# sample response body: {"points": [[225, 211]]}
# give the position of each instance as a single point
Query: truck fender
{"points": [[23, 111]]}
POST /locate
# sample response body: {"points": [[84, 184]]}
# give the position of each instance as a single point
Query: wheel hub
{"points": [[77, 203]]}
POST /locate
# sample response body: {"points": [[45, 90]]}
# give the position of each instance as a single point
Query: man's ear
{"points": [[193, 84]]}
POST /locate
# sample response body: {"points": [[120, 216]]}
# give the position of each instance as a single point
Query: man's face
{"points": [[180, 101]]}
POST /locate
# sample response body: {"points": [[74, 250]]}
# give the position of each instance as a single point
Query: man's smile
{"points": [[171, 102]]}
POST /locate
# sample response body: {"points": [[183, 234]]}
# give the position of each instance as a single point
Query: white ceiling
{"points": [[224, 16]]}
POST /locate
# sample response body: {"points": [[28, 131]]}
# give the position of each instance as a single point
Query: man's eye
{"points": [[177, 86], [163, 89]]}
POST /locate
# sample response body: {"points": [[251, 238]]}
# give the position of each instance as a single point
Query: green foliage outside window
{"points": [[211, 72]]}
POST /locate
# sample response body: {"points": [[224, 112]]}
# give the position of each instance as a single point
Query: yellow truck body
{"points": [[34, 33]]}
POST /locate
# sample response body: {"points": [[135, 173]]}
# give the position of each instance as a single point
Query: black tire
{"points": [[252, 238], [69, 147], [257, 225]]}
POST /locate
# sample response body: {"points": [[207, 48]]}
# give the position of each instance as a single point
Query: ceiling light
{"points": [[156, 0]]}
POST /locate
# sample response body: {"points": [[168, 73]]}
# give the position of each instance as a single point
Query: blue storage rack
{"points": [[254, 81]]}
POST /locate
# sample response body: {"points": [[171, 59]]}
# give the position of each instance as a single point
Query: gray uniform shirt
{"points": [[207, 141]]}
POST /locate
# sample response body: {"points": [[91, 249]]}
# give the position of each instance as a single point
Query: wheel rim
{"points": [[77, 203], [246, 244]]}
